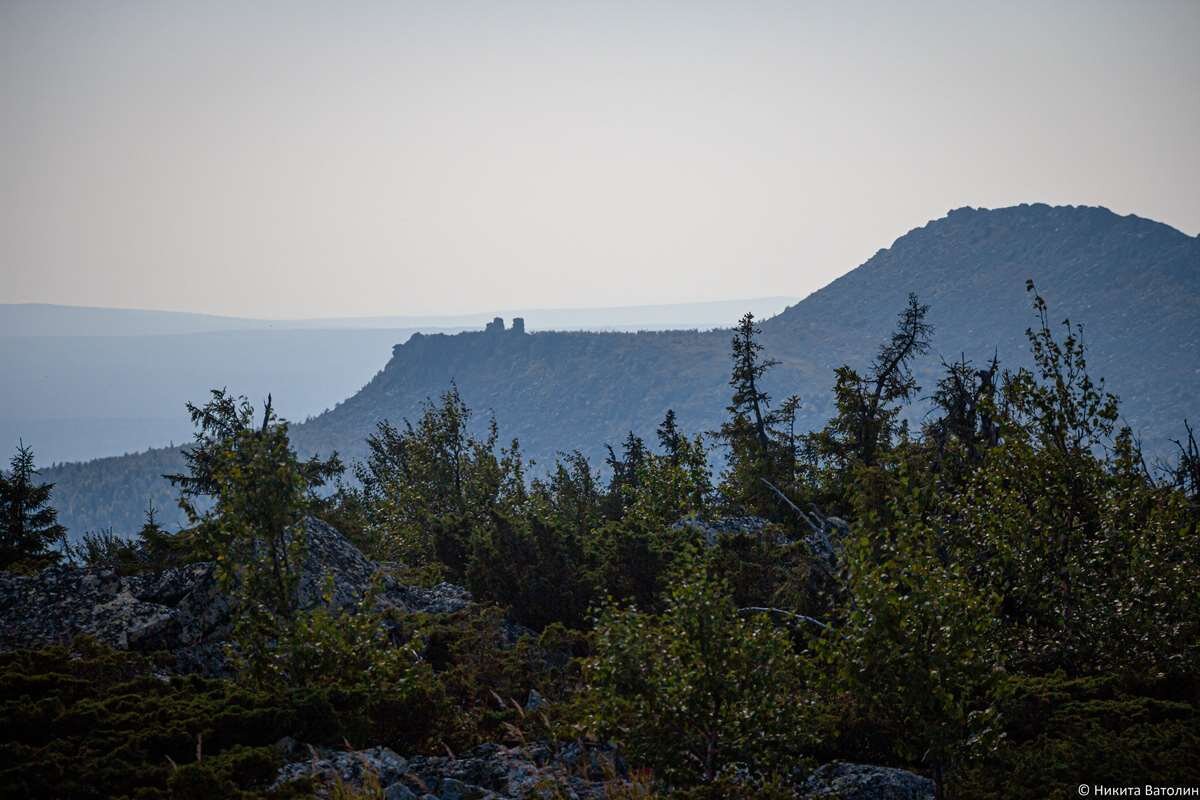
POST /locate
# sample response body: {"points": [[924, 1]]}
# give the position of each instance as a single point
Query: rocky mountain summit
{"points": [[182, 609]]}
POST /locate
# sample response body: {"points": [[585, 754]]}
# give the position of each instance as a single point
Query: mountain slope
{"points": [[1135, 284]]}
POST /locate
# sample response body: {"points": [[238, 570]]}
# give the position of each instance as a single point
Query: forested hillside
{"points": [[1133, 283]]}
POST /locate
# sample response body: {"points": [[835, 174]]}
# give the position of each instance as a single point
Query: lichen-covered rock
{"points": [[865, 782], [351, 767], [166, 610], [444, 598], [488, 772], [713, 529], [183, 609], [329, 554]]}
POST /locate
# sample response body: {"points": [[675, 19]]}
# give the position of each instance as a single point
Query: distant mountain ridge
{"points": [[1133, 282], [82, 383], [46, 319]]}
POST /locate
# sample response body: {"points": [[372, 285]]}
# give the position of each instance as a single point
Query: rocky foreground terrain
{"points": [[182, 611], [492, 772]]}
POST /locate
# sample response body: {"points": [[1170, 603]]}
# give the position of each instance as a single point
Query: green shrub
{"points": [[1105, 730], [89, 722], [698, 687]]}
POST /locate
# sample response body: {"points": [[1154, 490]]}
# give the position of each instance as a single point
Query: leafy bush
{"points": [[914, 647], [1105, 729], [698, 687]]}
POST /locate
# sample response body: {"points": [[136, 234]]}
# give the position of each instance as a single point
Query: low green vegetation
{"points": [[1003, 598]]}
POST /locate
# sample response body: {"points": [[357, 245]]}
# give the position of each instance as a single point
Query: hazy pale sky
{"points": [[340, 158]]}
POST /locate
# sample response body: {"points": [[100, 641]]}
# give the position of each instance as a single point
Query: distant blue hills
{"points": [[83, 383]]}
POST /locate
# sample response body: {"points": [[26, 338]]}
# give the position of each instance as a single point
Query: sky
{"points": [[287, 159]]}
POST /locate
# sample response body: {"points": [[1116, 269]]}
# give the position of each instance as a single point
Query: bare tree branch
{"points": [[784, 613]]}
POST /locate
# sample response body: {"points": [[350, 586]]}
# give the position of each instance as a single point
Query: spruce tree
{"points": [[783, 431], [256, 493], [157, 545], [746, 432], [626, 468], [749, 401], [28, 523], [670, 438], [869, 405]]}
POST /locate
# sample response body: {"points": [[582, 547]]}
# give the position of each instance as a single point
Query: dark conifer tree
{"points": [[965, 425], [156, 543], [220, 421], [868, 406], [625, 471], [749, 400], [670, 438], [783, 430], [750, 481], [28, 523]]}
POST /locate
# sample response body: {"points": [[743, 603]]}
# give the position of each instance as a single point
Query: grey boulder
{"points": [[866, 782]]}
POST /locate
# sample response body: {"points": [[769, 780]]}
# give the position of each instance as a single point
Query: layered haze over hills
{"points": [[1134, 284], [42, 319], [84, 383]]}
